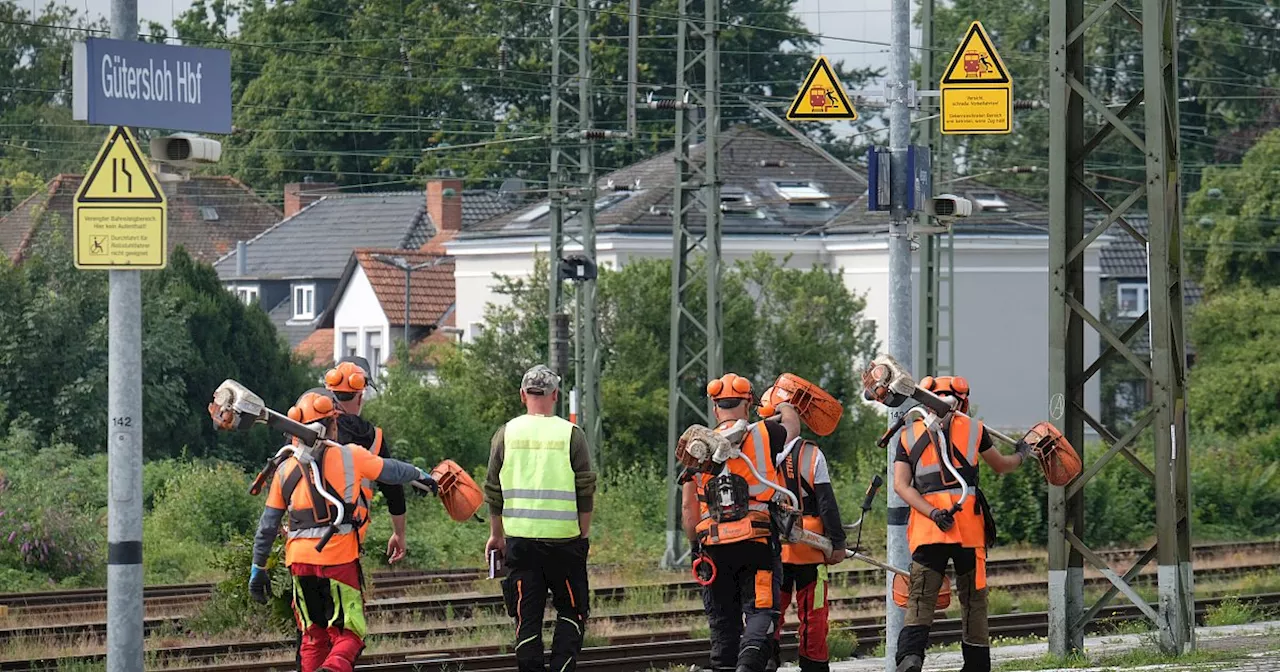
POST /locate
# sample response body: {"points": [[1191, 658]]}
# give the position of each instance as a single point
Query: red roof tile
{"points": [[432, 289], [318, 347], [207, 215]]}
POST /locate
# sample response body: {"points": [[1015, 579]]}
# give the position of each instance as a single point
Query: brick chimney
{"points": [[298, 195], [444, 204]]}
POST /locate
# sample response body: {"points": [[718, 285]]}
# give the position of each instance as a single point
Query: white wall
{"points": [[1001, 323], [359, 311]]}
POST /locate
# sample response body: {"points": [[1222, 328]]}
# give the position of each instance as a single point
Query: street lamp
{"points": [[404, 265]]}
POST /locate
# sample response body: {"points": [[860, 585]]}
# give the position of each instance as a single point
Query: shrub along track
{"points": [[639, 653], [488, 611]]}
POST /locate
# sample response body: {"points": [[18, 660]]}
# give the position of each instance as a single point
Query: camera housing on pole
{"points": [[174, 156]]}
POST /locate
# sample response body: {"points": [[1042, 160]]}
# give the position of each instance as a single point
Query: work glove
{"points": [[1022, 448], [425, 480], [943, 519], [259, 582]]}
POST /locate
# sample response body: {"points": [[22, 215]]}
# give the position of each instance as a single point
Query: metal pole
{"points": [[633, 68], [899, 292], [124, 441], [930, 257], [589, 392], [408, 273], [711, 188]]}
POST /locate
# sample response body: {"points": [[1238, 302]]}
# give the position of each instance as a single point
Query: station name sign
{"points": [[126, 83]]}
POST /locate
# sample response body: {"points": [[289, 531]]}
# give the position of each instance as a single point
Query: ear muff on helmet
{"points": [[311, 407], [729, 386], [952, 385], [345, 377]]}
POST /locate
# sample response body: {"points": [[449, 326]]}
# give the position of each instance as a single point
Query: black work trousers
{"points": [[534, 568], [928, 564], [742, 604]]}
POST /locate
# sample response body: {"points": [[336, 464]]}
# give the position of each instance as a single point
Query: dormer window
{"points": [[802, 193], [988, 201], [304, 300]]}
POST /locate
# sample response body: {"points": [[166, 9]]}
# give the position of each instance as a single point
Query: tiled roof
{"points": [[638, 198], [318, 240], [293, 331], [207, 215], [1124, 258], [317, 348], [431, 290], [1023, 216]]}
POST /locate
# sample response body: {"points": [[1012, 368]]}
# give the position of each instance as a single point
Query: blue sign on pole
{"points": [[126, 83]]}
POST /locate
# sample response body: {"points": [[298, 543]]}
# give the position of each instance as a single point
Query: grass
{"points": [[1231, 611], [841, 644], [1122, 661]]}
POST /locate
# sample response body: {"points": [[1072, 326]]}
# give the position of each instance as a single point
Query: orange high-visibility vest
{"points": [[757, 525], [798, 468], [309, 514], [938, 487]]}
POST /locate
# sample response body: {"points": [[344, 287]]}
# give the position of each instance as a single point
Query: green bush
{"points": [[209, 504], [231, 610]]}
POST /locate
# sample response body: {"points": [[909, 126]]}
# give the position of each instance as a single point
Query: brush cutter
{"points": [[888, 383], [236, 407]]}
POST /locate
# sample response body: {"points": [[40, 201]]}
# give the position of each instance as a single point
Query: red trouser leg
{"points": [[784, 601], [315, 647], [812, 606], [346, 647]]}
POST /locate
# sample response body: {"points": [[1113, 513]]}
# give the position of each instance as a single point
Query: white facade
{"points": [[1001, 294], [359, 325]]}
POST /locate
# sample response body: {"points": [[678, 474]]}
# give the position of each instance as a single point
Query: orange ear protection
{"points": [[729, 386], [345, 377], [312, 407], [951, 385]]}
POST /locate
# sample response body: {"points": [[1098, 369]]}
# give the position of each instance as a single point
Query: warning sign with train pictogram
{"points": [[821, 97], [977, 92]]}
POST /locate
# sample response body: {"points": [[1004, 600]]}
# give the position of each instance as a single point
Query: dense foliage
{"points": [[53, 346]]}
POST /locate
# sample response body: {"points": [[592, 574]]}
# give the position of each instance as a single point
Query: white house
{"points": [[783, 198]]}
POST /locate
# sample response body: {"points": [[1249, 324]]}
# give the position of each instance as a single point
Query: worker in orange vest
{"points": [[348, 381], [938, 532], [327, 582], [803, 469], [727, 520]]}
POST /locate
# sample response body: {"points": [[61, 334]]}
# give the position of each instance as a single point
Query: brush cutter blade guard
{"points": [[459, 493], [819, 411], [902, 588], [697, 445], [1058, 460], [235, 406]]}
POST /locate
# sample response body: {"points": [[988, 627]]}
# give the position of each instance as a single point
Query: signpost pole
{"points": [[124, 441], [899, 292]]}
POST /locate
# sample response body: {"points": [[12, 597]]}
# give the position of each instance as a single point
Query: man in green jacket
{"points": [[540, 489]]}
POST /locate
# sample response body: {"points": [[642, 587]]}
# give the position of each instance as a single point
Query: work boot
{"points": [[976, 658], [910, 663]]}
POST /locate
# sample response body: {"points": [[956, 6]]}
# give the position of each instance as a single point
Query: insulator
{"points": [[502, 56]]}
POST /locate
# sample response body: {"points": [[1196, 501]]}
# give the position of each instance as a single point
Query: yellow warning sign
{"points": [[821, 97], [120, 211], [977, 92]]}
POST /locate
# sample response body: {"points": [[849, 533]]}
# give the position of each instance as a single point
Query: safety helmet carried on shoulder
{"points": [[953, 386], [729, 386]]}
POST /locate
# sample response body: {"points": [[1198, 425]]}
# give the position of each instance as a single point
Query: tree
{"points": [[1234, 387], [775, 319], [53, 347], [378, 90], [1234, 237]]}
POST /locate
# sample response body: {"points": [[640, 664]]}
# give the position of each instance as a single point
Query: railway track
{"points": [[659, 650], [74, 607], [654, 619]]}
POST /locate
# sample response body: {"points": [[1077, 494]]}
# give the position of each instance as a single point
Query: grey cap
{"points": [[540, 380]]}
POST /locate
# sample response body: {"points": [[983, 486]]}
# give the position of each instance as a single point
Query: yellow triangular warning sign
{"points": [[119, 174], [976, 61], [821, 96]]}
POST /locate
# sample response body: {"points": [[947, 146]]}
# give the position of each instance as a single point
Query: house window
{"points": [[304, 298], [373, 351], [247, 294], [349, 344], [1131, 299]]}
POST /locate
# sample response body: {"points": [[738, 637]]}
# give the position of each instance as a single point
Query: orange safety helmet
{"points": [[949, 385], [729, 386], [313, 407], [345, 377]]}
